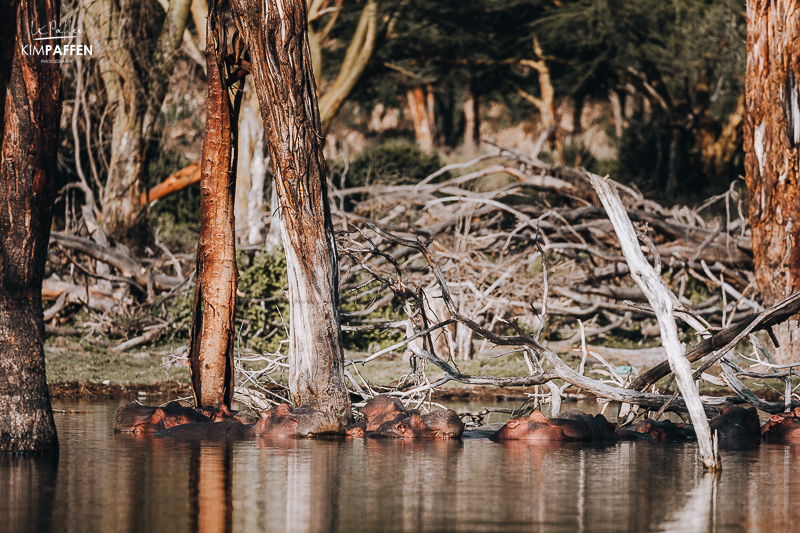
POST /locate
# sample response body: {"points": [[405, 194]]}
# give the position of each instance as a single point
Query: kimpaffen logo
{"points": [[44, 49]]}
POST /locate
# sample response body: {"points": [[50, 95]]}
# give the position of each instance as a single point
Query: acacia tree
{"points": [[276, 34], [31, 107], [215, 293], [135, 58], [772, 146]]}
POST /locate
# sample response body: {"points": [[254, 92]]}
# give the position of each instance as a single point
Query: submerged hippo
{"points": [[280, 421], [736, 423], [570, 426], [377, 411], [137, 418], [217, 414], [438, 424], [381, 409], [665, 430], [783, 428]]}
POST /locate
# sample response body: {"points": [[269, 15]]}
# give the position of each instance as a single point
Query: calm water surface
{"points": [[106, 482]]}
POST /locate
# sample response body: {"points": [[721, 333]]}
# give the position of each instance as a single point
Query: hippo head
{"points": [[135, 418], [412, 427], [535, 426], [217, 414], [285, 421], [381, 409], [444, 423], [356, 431]]}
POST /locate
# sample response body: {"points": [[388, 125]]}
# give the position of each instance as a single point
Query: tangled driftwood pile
{"points": [[506, 250]]}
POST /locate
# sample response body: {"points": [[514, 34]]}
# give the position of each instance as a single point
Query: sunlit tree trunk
{"points": [[211, 353], [137, 92], [251, 172], [472, 124], [276, 34], [772, 141], [32, 108], [358, 54], [417, 104]]}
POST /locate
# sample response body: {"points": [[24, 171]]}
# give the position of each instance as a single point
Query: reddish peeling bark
{"points": [[419, 113], [771, 141], [211, 354], [31, 112], [276, 34]]}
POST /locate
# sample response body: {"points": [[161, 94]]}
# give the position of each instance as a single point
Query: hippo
{"points": [[783, 428], [217, 414], [357, 430], [137, 418], [437, 424], [570, 426], [381, 409], [599, 427], [736, 423], [665, 431], [280, 421]]}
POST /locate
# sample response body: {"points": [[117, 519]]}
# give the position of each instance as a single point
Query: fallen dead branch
{"points": [[489, 267]]}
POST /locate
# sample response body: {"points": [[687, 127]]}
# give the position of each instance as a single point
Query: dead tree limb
{"points": [[660, 298]]}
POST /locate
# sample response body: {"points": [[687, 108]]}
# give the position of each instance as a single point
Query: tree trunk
{"points": [[276, 33], [30, 121], [419, 114], [771, 140], [273, 238], [211, 354], [616, 111], [250, 173], [111, 26], [358, 54], [471, 121], [430, 111]]}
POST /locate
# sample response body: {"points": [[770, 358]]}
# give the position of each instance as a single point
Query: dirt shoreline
{"points": [[88, 390]]}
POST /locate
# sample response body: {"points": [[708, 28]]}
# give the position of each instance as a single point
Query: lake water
{"points": [[107, 482]]}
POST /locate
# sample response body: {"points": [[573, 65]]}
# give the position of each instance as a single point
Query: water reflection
{"points": [[106, 482], [27, 492], [210, 487]]}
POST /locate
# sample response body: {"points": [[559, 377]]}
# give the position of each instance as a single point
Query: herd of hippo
{"points": [[386, 417]]}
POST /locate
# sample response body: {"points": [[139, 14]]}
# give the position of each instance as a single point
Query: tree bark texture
{"points": [[276, 34], [358, 54], [211, 355], [417, 104], [32, 91], [771, 140], [135, 83], [251, 172]]}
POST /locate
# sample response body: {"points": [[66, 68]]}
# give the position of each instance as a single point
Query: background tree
{"points": [[772, 143], [31, 89], [135, 45], [276, 35]]}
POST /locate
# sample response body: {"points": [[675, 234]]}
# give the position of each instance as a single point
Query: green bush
{"points": [[392, 162], [264, 308]]}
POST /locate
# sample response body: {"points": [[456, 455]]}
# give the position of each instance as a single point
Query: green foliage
{"points": [[392, 162], [373, 340], [266, 311], [264, 308], [179, 314]]}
